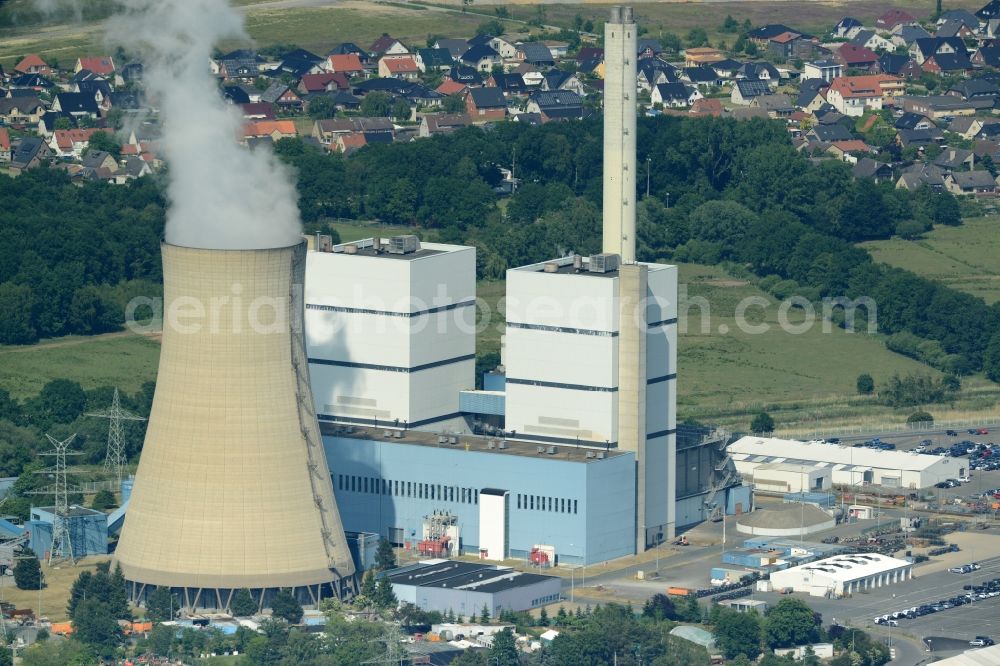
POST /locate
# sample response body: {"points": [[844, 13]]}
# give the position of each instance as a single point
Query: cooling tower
{"points": [[233, 489]]}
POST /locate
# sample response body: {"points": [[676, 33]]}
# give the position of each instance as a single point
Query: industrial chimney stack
{"points": [[620, 50], [233, 488]]}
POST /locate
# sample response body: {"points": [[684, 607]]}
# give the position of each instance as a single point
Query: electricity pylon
{"points": [[62, 544], [115, 459]]}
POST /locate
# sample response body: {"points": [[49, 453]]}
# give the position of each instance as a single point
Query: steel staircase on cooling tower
{"points": [[307, 423]]}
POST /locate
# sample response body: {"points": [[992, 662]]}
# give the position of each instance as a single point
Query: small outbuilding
{"points": [[843, 575]]}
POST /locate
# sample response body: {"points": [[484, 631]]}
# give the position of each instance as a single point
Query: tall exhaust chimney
{"points": [[620, 50], [233, 488]]}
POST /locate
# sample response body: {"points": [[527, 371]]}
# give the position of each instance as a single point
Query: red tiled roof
{"points": [[400, 65], [66, 138], [707, 107], [265, 109], [30, 61], [852, 53], [269, 127], [349, 62], [318, 82], [4, 139], [353, 141], [852, 146], [785, 37], [450, 87], [861, 86], [102, 65]]}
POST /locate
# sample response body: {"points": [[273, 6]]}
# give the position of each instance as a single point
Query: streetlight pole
{"points": [[648, 160]]}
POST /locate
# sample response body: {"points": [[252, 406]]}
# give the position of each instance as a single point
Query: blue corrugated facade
{"points": [[88, 531], [586, 510]]}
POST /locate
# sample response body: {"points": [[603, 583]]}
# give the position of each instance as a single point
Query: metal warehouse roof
{"points": [[844, 568], [463, 576], [989, 656], [772, 449]]}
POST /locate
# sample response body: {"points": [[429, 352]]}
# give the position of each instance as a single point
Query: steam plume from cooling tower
{"points": [[221, 195]]}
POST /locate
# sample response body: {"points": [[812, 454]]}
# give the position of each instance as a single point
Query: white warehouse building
{"points": [[843, 574], [846, 465]]}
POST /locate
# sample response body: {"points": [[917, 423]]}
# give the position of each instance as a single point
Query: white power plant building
{"points": [[390, 330], [842, 465]]}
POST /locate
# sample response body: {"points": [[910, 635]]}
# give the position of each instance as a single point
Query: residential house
{"points": [[727, 68], [921, 175], [852, 56], [922, 49], [482, 58], [282, 96], [787, 44], [349, 48], [100, 65], [533, 77], [810, 99], [535, 53], [746, 90], [19, 111], [978, 183], [485, 105], [846, 151], [971, 127], [653, 72], [510, 84], [589, 53], [892, 18], [327, 81], [827, 70], [777, 106], [871, 169], [647, 48], [348, 64], [829, 133], [99, 159], [342, 100], [989, 11], [555, 105], [947, 63], [702, 55], [300, 62], [506, 49], [386, 45], [276, 129], [962, 16], [557, 48], [987, 56], [454, 47], [919, 138], [706, 107], [33, 64], [465, 75], [898, 65], [762, 71], [433, 60], [30, 153], [5, 150], [674, 95], [762, 35], [984, 148], [350, 143], [847, 27], [258, 111], [557, 79], [853, 95], [701, 77], [955, 29], [940, 106], [78, 105], [449, 87], [71, 142], [403, 66], [904, 35], [34, 82], [872, 40], [241, 69], [912, 121], [975, 88], [327, 132], [432, 124], [956, 159]]}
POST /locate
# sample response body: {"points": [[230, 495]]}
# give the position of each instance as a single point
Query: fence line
{"points": [[883, 428]]}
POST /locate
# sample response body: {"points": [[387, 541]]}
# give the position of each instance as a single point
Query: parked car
{"points": [[982, 431], [981, 641], [951, 433]]}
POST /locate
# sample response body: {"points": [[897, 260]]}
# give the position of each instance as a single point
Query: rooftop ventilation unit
{"points": [[442, 439], [502, 445], [491, 444], [324, 243], [398, 434], [590, 454], [350, 248], [406, 244], [600, 455], [605, 262], [550, 267], [539, 449], [453, 440], [552, 451]]}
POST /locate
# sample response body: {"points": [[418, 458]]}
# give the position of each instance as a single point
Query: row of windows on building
{"points": [[544, 503], [434, 491], [371, 485], [544, 600]]}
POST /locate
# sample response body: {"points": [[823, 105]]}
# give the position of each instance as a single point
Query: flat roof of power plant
{"points": [[565, 267], [365, 247], [774, 450], [463, 576], [563, 452]]}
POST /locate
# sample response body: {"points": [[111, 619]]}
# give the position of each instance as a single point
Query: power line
{"points": [[61, 547], [116, 459]]}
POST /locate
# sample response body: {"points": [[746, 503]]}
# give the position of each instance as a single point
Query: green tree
{"points": [[729, 24], [385, 597], [991, 358], [322, 107], [161, 638], [17, 303], [660, 607], [28, 571], [791, 622], [104, 141], [401, 109], [376, 105], [543, 618], [762, 424], [61, 400], [96, 626], [58, 653], [503, 651], [103, 500], [160, 605], [493, 28], [865, 384], [738, 633], [286, 606], [920, 417], [484, 616], [453, 104], [671, 42], [242, 604], [697, 37], [385, 556]]}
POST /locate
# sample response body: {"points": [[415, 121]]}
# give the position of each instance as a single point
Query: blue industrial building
{"points": [[88, 531], [578, 500]]}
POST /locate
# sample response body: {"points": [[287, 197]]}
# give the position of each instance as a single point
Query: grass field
{"points": [[964, 257], [55, 595], [124, 360]]}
